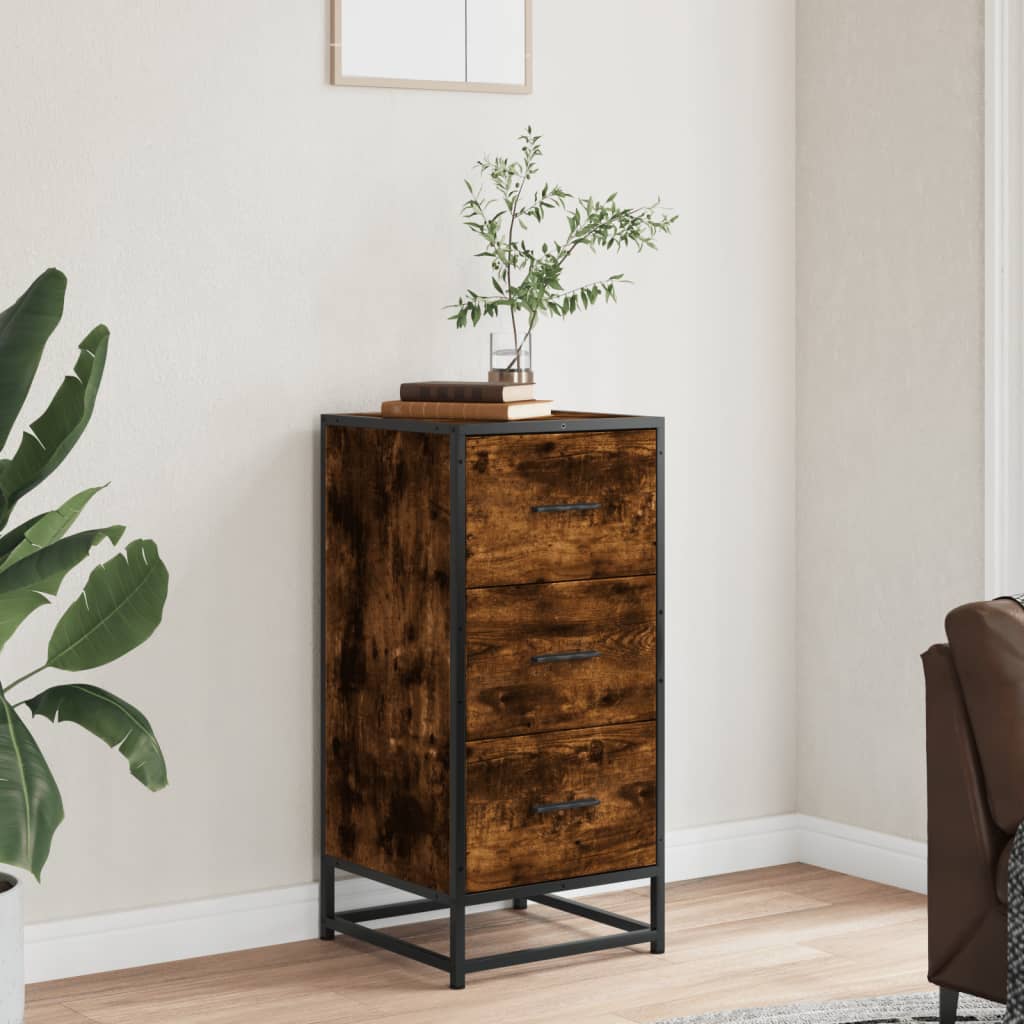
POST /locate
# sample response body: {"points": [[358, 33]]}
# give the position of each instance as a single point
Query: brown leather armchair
{"points": [[975, 727]]}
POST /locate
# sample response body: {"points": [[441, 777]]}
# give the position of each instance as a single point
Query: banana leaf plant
{"points": [[119, 607]]}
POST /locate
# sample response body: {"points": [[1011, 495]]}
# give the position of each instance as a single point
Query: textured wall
{"points": [[890, 302], [264, 248]]}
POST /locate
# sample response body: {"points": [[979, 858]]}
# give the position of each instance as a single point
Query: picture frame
{"points": [[447, 45]]}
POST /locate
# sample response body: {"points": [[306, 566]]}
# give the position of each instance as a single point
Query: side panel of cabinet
{"points": [[386, 651]]}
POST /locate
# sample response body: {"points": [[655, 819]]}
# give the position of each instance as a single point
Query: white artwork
{"points": [[479, 45]]}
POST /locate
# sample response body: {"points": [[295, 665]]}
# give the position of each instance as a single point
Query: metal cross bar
{"points": [[526, 956], [628, 924], [581, 882], [393, 910], [389, 942]]}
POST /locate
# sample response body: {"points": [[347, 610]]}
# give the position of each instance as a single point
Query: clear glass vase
{"points": [[511, 361]]}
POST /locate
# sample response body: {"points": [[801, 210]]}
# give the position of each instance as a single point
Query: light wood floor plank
{"points": [[56, 1013], [746, 939]]}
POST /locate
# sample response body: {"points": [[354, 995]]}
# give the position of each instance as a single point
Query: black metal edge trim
{"points": [[386, 423], [658, 881], [325, 887], [396, 883], [389, 942], [457, 672], [627, 924], [559, 583], [535, 953], [560, 885], [322, 522], [553, 425], [457, 713]]}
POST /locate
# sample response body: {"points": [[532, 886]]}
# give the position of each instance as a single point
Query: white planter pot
{"points": [[12, 953]]}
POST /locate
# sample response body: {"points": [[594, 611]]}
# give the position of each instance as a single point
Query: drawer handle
{"points": [[579, 506], [568, 805], [544, 659]]}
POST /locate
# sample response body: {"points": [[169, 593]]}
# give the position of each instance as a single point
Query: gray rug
{"points": [[919, 1008]]}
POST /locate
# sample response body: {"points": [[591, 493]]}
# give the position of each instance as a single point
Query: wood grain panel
{"points": [[386, 671], [508, 843], [508, 693], [507, 475]]}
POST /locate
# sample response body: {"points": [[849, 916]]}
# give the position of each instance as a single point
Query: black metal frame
{"points": [[629, 931]]}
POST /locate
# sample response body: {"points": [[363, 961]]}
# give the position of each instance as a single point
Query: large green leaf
{"points": [[113, 720], [13, 537], [46, 568], [24, 328], [49, 527], [18, 602], [121, 605], [44, 446], [30, 803], [15, 608]]}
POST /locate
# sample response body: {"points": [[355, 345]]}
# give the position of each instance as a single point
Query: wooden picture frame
{"points": [[339, 75]]}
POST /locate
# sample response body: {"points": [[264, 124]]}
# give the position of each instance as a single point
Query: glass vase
{"points": [[511, 359]]}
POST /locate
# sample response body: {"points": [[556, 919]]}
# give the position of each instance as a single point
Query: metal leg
{"points": [[658, 913], [326, 897], [457, 946], [949, 998], [519, 903]]}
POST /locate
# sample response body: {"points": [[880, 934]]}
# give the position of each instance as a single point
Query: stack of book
{"points": [[466, 400]]}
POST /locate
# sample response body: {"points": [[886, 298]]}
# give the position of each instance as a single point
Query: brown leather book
{"points": [[464, 391], [500, 411]]}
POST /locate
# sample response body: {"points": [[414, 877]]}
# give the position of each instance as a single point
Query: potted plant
{"points": [[119, 607], [528, 281]]}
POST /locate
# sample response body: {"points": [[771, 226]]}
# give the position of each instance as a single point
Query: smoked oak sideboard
{"points": [[493, 679]]}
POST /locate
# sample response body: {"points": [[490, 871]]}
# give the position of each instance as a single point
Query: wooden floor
{"points": [[754, 938]]}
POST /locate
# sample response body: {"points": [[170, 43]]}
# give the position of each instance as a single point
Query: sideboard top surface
{"points": [[558, 421]]}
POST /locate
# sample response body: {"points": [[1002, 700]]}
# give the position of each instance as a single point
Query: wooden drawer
{"points": [[560, 655], [517, 533], [512, 840]]}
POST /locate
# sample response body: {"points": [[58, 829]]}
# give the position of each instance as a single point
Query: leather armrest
{"points": [[964, 843]]}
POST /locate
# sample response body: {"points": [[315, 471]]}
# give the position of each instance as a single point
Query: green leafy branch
{"points": [[118, 609], [525, 280]]}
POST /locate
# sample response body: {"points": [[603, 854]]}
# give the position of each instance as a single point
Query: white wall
{"points": [[265, 248], [890, 307]]}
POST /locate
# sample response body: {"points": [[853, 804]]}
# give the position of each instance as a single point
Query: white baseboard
{"points": [[859, 851], [732, 846], [133, 938]]}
